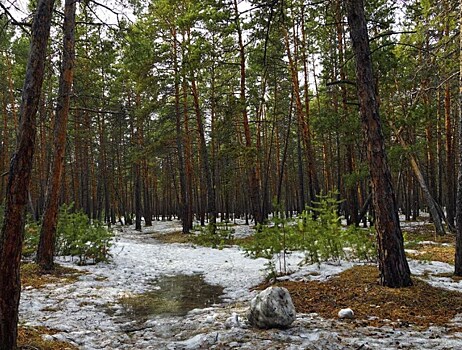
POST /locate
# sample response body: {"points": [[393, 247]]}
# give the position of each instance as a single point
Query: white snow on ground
{"points": [[412, 225], [79, 310]]}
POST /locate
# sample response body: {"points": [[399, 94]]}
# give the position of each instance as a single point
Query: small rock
{"points": [[272, 308], [346, 313], [211, 318], [194, 342], [232, 322], [47, 337]]}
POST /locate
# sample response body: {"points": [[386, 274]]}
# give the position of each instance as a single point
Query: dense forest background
{"points": [[233, 108]]}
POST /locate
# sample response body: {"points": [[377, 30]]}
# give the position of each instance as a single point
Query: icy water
{"points": [[171, 296]]}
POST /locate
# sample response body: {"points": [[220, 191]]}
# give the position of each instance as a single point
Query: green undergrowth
{"points": [[204, 237], [317, 232], [80, 237], [76, 235], [220, 236]]}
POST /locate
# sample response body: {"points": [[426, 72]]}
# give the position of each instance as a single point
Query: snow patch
{"points": [[86, 312]]}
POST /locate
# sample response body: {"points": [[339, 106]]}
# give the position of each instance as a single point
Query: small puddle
{"points": [[171, 296]]}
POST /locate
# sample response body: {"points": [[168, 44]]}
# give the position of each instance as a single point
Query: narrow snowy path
{"points": [[87, 314]]}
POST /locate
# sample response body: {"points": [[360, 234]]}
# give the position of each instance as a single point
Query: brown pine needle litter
{"points": [[426, 232], [33, 276], [31, 338], [425, 252], [426, 245], [420, 306]]}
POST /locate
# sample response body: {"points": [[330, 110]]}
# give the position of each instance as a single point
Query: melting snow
{"points": [[79, 310]]}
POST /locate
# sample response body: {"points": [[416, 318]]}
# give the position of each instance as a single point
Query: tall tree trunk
{"points": [[46, 247], [430, 158], [351, 187], [450, 154], [187, 151], [436, 212], [450, 157], [253, 176], [103, 177], [303, 124], [11, 238], [284, 153], [205, 161], [11, 92], [393, 266], [311, 154], [183, 203], [137, 194], [301, 180], [458, 257], [147, 198]]}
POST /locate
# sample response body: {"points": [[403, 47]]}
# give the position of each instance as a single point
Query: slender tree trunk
{"points": [[147, 198], [301, 180], [435, 210], [450, 157], [11, 92], [351, 187], [77, 162], [303, 124], [11, 238], [253, 177], [138, 209], [187, 154], [104, 177], [284, 153], [393, 266], [205, 161], [439, 147], [430, 152], [183, 203], [46, 247], [450, 153]]}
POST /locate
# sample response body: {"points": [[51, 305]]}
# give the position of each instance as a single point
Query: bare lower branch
{"points": [[99, 111], [338, 82], [13, 20]]}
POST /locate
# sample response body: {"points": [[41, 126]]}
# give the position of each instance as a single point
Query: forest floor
{"points": [[141, 299]]}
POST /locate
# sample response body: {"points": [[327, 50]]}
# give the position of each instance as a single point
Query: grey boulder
{"points": [[346, 313], [272, 308]]}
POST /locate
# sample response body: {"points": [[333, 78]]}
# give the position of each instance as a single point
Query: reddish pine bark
{"points": [[11, 238], [393, 266], [458, 257], [45, 252]]}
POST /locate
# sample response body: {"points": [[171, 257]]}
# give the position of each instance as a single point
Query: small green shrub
{"points": [[273, 242], [320, 236], [31, 238], [361, 242], [222, 236], [78, 236]]}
